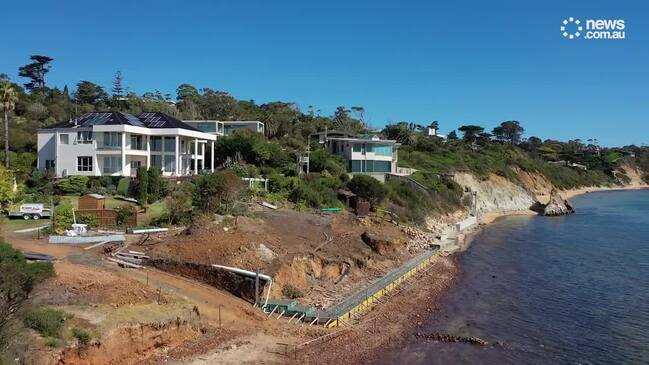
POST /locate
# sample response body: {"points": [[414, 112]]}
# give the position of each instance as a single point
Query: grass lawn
{"points": [[111, 203], [153, 211]]}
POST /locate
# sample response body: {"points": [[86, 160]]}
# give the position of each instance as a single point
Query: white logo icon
{"points": [[574, 24]]}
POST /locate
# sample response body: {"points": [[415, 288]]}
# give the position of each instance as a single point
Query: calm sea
{"points": [[564, 290]]}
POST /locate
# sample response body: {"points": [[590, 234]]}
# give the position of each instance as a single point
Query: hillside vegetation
{"points": [[469, 148]]}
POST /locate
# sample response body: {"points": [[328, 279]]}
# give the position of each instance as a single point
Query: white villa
{"points": [[226, 128], [116, 144], [367, 154]]}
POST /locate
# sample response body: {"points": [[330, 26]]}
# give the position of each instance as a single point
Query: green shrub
{"points": [[48, 322], [63, 217], [217, 192], [155, 184], [82, 336], [123, 185], [73, 185], [52, 342], [124, 214], [17, 280], [88, 219], [368, 188], [142, 179], [291, 292]]}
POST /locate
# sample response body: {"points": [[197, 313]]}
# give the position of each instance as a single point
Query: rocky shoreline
{"points": [[366, 342]]}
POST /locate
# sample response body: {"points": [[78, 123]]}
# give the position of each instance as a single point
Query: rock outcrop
{"points": [[557, 205]]}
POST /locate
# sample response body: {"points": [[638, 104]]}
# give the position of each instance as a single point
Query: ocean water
{"points": [[551, 290]]}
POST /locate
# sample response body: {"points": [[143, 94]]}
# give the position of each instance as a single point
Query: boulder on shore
{"points": [[557, 205]]}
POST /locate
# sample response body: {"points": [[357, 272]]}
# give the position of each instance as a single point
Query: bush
{"points": [[155, 185], [48, 322], [368, 188], [123, 185], [63, 217], [217, 192], [88, 219], [179, 203], [82, 336], [142, 179], [124, 214], [17, 280], [291, 292], [73, 185], [316, 191]]}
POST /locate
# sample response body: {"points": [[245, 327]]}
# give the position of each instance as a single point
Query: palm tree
{"points": [[8, 99]]}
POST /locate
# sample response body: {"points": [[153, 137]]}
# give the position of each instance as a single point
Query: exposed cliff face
{"points": [[496, 193]]}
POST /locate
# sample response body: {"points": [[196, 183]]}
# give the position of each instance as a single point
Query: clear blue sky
{"points": [[458, 62]]}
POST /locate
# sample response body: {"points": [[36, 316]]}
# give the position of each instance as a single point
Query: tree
{"points": [[7, 193], [118, 87], [509, 131], [360, 113], [217, 192], [179, 202], [18, 280], [368, 188], [142, 177], [155, 182], [36, 71], [452, 136], [89, 93], [8, 99], [399, 132], [470, 133]]}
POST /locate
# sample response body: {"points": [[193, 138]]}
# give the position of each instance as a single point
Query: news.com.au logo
{"points": [[573, 28]]}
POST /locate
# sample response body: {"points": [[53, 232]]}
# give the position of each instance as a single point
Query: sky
{"points": [[457, 62]]}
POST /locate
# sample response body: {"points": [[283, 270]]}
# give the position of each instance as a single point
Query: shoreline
{"points": [[346, 349]]}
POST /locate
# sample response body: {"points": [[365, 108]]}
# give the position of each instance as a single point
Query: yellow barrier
{"points": [[372, 298]]}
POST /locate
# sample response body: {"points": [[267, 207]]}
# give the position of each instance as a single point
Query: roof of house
{"points": [[95, 196], [146, 120]]}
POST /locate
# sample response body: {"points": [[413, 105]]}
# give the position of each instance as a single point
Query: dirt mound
{"points": [[378, 244], [79, 284]]}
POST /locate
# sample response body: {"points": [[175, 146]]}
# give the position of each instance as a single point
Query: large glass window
{"points": [[84, 163], [170, 144], [206, 126], [357, 147], [156, 161], [378, 166], [170, 163], [156, 144], [64, 138], [137, 142], [112, 139], [355, 166], [84, 137], [112, 164], [383, 150]]}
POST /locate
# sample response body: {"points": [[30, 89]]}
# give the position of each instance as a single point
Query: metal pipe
{"points": [[250, 274]]}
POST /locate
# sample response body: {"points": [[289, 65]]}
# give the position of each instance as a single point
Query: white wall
{"points": [[67, 156], [46, 148]]}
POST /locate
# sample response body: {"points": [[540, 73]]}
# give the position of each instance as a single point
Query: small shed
{"points": [[92, 201]]}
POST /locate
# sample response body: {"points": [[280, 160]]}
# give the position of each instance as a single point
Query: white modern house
{"points": [[367, 154], [226, 128], [116, 144]]}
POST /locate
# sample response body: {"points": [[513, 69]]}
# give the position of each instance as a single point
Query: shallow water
{"points": [[560, 290]]}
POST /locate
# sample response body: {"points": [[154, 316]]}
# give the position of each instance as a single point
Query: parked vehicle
{"points": [[31, 211]]}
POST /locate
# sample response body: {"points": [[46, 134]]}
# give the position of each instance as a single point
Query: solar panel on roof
{"points": [[96, 118], [133, 120], [157, 123]]}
